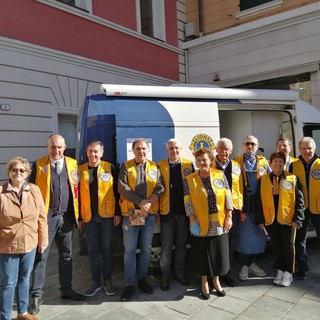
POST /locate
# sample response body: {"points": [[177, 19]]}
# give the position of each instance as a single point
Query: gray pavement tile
{"points": [[165, 313], [143, 307], [251, 289], [314, 292], [61, 313], [120, 314], [266, 308], [94, 311], [293, 293], [230, 304], [209, 312], [306, 309], [189, 303]]}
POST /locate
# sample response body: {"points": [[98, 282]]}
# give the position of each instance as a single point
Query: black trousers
{"points": [[283, 239], [61, 231]]}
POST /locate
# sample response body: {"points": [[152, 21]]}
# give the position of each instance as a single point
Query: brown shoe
{"points": [[26, 316], [164, 285], [183, 281]]}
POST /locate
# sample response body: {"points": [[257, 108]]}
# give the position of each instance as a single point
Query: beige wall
{"points": [[219, 15]]}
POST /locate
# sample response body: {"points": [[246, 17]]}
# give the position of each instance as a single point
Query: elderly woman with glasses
{"points": [[23, 228]]}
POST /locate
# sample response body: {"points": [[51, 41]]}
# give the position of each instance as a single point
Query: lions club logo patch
{"points": [[202, 140]]}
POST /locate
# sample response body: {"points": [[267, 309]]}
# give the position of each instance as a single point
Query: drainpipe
{"points": [[200, 18]]}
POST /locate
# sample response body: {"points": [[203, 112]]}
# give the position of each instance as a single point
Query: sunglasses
{"points": [[19, 170], [247, 144]]}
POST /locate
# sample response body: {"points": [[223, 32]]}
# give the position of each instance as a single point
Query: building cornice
{"points": [[261, 26], [25, 48]]}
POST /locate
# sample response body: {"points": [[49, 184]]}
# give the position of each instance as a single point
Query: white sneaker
{"points": [[256, 270], [278, 278], [243, 274], [287, 279]]}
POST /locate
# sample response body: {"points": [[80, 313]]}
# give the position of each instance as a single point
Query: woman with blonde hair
{"points": [[23, 228]]}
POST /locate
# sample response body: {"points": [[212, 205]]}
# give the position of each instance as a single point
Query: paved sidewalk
{"points": [[256, 298]]}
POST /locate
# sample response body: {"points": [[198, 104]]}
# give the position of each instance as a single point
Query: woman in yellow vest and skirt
{"points": [[208, 204], [280, 208]]}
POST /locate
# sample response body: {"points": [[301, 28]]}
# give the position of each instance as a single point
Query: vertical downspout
{"points": [[186, 61], [200, 18]]}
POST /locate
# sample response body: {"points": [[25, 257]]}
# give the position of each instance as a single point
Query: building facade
{"points": [[255, 44], [55, 52]]}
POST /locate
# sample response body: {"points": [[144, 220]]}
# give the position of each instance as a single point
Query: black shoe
{"points": [[164, 285], [127, 293], [221, 293], [183, 281], [144, 286], [69, 294], [226, 279], [205, 296], [301, 275], [34, 305]]}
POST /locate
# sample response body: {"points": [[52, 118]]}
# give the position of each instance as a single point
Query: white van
{"points": [[197, 116]]}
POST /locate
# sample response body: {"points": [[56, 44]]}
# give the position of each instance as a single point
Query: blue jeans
{"points": [[174, 231], [135, 237], [301, 240], [99, 236], [15, 272]]}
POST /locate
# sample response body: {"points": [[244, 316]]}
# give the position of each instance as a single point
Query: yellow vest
{"points": [[151, 179], [199, 198], [186, 169], [261, 167], [237, 186], [287, 199], [43, 180], [311, 198], [106, 199]]}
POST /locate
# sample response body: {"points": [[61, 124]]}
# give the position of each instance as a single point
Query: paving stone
{"points": [[306, 309], [230, 304], [266, 308], [209, 312]]}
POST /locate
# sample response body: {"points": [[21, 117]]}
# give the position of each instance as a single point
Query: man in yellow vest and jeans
{"points": [[174, 222], [307, 169], [99, 216], [57, 177], [140, 187]]}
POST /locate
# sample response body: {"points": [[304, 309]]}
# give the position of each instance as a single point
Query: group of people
{"points": [[227, 205]]}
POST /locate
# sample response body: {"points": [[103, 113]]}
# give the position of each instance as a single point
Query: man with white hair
{"points": [[174, 222], [232, 171], [307, 169]]}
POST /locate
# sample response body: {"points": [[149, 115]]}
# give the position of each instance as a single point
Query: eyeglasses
{"points": [[19, 170], [247, 144]]}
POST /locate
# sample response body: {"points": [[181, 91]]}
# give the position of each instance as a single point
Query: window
{"points": [[80, 4], [151, 18], [67, 126], [247, 4]]}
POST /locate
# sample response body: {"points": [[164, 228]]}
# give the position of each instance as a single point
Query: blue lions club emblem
{"points": [[202, 141]]}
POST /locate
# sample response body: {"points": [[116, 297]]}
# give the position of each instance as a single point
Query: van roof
{"points": [[196, 92]]}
